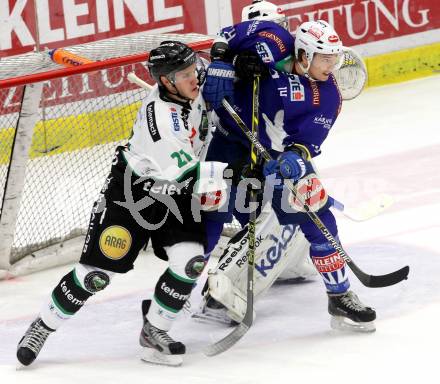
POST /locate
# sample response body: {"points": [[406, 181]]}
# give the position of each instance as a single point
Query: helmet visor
{"points": [[187, 74]]}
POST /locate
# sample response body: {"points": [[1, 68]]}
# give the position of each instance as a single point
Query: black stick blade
{"points": [[380, 281]]}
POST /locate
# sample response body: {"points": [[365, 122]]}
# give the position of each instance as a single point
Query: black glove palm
{"points": [[247, 64]]}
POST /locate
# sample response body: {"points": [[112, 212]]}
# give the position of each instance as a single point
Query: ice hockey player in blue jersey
{"points": [[298, 106]]}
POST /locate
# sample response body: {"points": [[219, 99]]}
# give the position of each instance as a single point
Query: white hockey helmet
{"points": [[264, 10], [317, 37]]}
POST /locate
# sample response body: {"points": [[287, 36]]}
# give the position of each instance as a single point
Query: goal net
{"points": [[58, 131]]}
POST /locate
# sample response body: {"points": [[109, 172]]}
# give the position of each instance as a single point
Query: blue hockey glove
{"points": [[271, 167], [219, 83], [289, 165], [292, 165]]}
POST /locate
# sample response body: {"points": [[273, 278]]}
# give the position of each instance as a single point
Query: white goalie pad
{"points": [[281, 251]]}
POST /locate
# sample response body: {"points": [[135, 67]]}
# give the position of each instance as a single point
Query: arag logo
{"points": [[115, 242]]}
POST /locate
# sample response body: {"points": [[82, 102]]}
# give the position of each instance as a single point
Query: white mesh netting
{"points": [[82, 119]]}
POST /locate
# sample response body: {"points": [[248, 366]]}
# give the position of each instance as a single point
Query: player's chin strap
{"points": [[372, 281], [306, 70]]}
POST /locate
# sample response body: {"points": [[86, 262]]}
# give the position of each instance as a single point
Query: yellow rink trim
{"points": [[71, 133], [404, 65]]}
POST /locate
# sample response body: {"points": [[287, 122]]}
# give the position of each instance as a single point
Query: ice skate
{"points": [[348, 313], [33, 340], [158, 346]]}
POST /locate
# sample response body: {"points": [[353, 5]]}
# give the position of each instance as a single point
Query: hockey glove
{"points": [[254, 177], [220, 52], [219, 83], [289, 165], [247, 64]]}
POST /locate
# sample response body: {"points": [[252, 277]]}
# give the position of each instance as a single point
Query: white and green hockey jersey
{"points": [[168, 142]]}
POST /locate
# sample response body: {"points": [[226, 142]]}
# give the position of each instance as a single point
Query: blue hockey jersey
{"points": [[293, 110]]}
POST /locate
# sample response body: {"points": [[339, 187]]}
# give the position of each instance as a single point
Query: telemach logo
{"points": [[69, 296], [173, 293], [151, 122]]}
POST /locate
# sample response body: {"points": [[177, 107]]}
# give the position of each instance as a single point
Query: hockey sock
{"points": [[331, 266], [213, 232], [72, 292], [170, 295]]}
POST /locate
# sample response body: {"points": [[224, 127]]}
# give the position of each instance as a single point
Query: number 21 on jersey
{"points": [[182, 158]]}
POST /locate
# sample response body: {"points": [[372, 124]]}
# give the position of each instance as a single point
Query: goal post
{"points": [[58, 131], [16, 169]]}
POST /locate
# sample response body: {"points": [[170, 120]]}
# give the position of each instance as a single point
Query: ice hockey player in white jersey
{"points": [[154, 190]]}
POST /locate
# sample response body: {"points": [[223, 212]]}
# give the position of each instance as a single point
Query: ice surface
{"points": [[385, 141]]}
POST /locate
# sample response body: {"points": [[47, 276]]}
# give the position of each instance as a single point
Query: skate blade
{"points": [[153, 356], [20, 367], [212, 317], [343, 324]]}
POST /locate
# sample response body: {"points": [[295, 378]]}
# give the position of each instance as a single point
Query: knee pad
{"points": [[186, 260], [277, 247], [92, 279]]}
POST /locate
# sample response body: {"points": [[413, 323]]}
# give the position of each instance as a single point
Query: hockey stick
{"points": [[372, 281], [134, 79], [364, 211], [229, 340], [367, 209]]}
